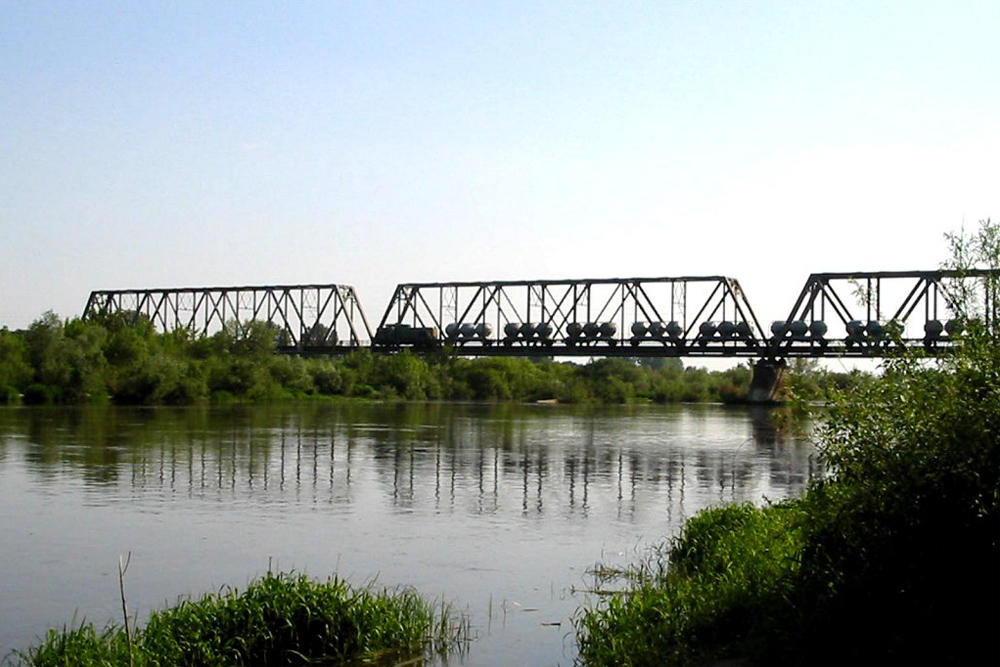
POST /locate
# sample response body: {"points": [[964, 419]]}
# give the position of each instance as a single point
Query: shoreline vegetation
{"points": [[279, 619], [105, 359], [890, 558]]}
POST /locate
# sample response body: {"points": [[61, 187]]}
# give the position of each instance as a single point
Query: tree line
{"points": [[110, 359]]}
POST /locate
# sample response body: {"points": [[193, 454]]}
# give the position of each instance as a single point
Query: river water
{"points": [[499, 509]]}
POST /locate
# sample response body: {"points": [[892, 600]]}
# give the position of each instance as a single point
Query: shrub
{"points": [[902, 553], [326, 377]]}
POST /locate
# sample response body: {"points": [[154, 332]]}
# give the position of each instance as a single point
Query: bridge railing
{"points": [[304, 317], [682, 316]]}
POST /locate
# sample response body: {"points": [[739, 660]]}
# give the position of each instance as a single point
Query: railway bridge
{"points": [[848, 314]]}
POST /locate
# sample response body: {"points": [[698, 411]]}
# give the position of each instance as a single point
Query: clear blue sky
{"points": [[159, 144]]}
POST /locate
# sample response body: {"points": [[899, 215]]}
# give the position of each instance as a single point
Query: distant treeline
{"points": [[107, 359]]}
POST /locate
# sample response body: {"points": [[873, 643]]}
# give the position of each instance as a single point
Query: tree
{"points": [[67, 360], [15, 371], [902, 549]]}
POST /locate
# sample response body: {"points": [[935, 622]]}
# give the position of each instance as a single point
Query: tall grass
{"points": [[721, 593], [280, 619]]}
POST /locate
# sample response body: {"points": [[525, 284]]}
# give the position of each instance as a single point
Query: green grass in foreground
{"points": [[726, 582], [280, 619]]}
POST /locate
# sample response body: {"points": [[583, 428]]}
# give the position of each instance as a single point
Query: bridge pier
{"points": [[768, 378]]}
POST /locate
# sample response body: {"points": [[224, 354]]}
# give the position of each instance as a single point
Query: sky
{"points": [[185, 143]]}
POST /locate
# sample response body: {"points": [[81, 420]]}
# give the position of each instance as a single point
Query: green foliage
{"points": [[254, 339], [615, 380], [327, 377], [903, 547], [807, 381], [80, 646], [892, 558], [111, 356], [15, 371], [733, 385], [292, 374], [903, 552], [67, 360], [407, 376], [280, 619], [729, 575]]}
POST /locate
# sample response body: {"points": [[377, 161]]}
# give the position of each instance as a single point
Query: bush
{"points": [[15, 371], [292, 373], [902, 553], [327, 378]]}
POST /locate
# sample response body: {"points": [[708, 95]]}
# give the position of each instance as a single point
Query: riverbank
{"points": [[107, 360], [892, 558]]}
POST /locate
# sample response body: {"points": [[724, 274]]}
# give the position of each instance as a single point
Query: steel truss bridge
{"points": [[855, 314], [304, 317]]}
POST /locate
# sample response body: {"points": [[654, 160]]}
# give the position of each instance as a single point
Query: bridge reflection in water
{"points": [[472, 459], [501, 508]]}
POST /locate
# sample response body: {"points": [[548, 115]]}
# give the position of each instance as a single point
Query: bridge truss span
{"points": [[875, 314], [683, 316], [321, 318]]}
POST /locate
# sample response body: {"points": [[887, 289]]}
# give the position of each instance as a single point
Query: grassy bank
{"points": [[716, 591], [280, 619]]}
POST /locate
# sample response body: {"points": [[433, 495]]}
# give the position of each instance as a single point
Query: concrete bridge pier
{"points": [[768, 378]]}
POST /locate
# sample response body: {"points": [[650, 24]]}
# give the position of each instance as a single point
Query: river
{"points": [[499, 509]]}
